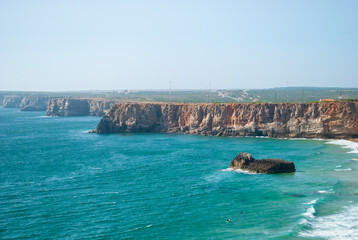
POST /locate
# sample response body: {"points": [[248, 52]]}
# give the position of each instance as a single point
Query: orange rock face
{"points": [[321, 120]]}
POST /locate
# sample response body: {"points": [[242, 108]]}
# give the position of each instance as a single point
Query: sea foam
{"points": [[325, 192], [309, 214], [313, 201], [237, 170], [342, 225], [343, 170], [345, 144]]}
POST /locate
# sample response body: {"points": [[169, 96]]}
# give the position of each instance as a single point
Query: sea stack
{"points": [[245, 161]]}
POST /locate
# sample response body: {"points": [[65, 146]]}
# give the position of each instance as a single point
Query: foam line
{"points": [[345, 144]]}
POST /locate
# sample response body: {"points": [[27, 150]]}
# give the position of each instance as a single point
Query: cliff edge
{"points": [[296, 120]]}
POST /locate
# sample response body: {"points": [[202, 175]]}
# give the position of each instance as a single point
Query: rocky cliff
{"points": [[311, 120], [26, 103], [77, 107], [32, 103], [11, 101]]}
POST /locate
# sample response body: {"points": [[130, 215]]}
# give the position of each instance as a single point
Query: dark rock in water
{"points": [[245, 161], [242, 161]]}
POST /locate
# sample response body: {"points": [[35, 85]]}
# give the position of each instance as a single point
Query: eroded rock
{"points": [[245, 161]]}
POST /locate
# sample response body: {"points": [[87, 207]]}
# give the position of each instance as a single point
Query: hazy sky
{"points": [[81, 45]]}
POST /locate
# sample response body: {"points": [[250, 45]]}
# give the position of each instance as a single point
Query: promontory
{"points": [[293, 120]]}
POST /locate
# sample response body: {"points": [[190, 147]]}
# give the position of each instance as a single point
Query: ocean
{"points": [[58, 181]]}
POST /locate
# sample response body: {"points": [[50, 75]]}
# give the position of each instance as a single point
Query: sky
{"points": [[52, 45]]}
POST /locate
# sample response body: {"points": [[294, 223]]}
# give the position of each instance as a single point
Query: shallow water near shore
{"points": [[58, 181]]}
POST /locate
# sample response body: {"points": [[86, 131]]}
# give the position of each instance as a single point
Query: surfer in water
{"points": [[228, 220]]}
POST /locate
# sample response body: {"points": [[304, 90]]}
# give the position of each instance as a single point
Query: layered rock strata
{"points": [[77, 107], [245, 161], [311, 120]]}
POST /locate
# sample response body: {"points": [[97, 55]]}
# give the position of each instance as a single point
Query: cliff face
{"points": [[11, 101], [32, 103], [318, 120], [99, 107], [77, 107], [26, 103], [58, 106]]}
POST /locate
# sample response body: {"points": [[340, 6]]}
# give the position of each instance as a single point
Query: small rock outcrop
{"points": [[245, 161]]}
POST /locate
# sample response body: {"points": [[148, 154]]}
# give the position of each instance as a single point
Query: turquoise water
{"points": [[58, 181]]}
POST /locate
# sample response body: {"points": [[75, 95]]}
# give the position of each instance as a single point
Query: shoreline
{"points": [[351, 143]]}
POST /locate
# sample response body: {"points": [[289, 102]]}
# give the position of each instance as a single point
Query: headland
{"points": [[334, 120]]}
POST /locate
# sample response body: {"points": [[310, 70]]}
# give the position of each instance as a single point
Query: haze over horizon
{"points": [[89, 45]]}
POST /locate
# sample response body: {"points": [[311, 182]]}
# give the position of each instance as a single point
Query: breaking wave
{"points": [[310, 211], [330, 191], [342, 225], [343, 170], [309, 214]]}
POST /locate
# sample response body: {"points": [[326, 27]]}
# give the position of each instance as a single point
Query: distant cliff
{"points": [[58, 106], [77, 107], [11, 101], [26, 103], [311, 120], [32, 103]]}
